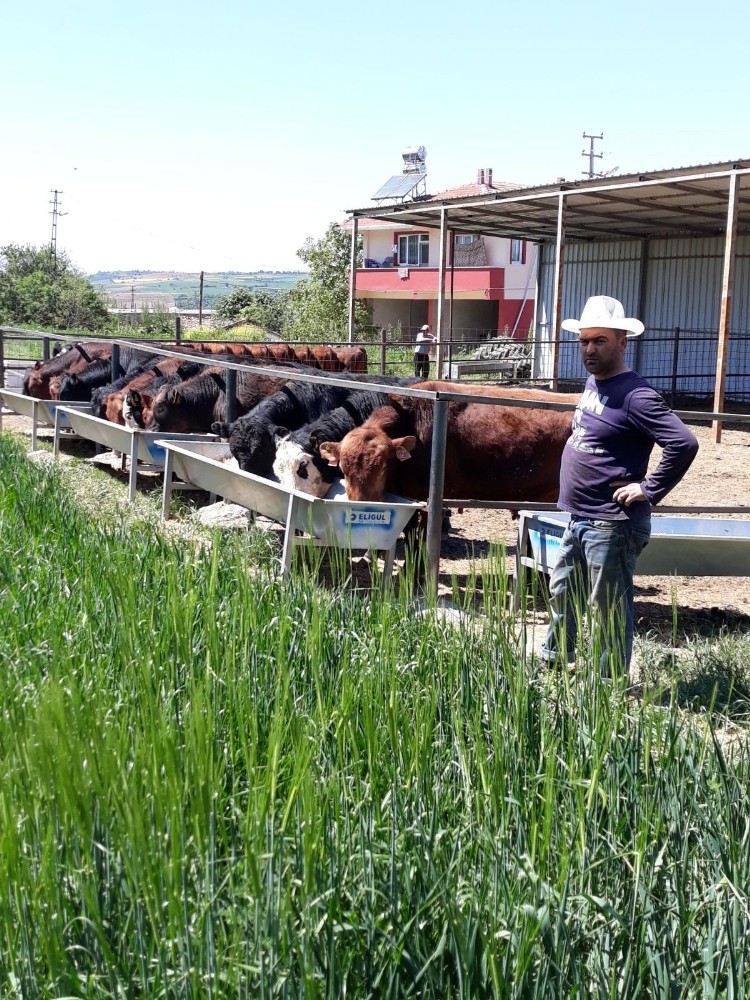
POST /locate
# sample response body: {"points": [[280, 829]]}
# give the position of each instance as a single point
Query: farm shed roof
{"points": [[684, 201]]}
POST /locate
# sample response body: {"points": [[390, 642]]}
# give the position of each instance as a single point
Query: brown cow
{"points": [[354, 359], [37, 380], [114, 401], [493, 452]]}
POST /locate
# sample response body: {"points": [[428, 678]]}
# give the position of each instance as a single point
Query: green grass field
{"points": [[218, 784]]}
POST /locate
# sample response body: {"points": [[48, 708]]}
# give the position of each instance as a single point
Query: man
{"points": [[604, 486], [423, 349]]}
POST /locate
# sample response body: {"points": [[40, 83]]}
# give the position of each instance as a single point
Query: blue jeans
{"points": [[595, 572]]}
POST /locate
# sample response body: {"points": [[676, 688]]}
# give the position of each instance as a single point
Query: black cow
{"points": [[197, 403], [252, 438]]}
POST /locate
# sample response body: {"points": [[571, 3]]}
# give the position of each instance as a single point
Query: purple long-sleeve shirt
{"points": [[615, 426]]}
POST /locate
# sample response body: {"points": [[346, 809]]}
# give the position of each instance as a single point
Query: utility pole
{"points": [[591, 154], [132, 298], [200, 303], [55, 213]]}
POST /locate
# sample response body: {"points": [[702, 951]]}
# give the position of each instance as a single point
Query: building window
{"points": [[516, 251], [465, 239], [414, 251]]}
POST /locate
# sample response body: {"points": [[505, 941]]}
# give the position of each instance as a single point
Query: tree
{"points": [[39, 289], [266, 309], [319, 305]]}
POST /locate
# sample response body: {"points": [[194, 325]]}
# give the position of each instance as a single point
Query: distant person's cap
{"points": [[604, 311], [425, 327]]}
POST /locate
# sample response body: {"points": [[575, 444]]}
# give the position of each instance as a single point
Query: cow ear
{"points": [[37, 365], [404, 447], [315, 440], [172, 396], [330, 450], [281, 433], [221, 428]]}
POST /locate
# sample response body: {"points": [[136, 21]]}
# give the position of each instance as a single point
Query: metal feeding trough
{"points": [[41, 411], [143, 448], [686, 546], [333, 521]]}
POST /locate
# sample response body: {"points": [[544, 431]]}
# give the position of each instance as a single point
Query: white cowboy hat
{"points": [[604, 311], [425, 327]]}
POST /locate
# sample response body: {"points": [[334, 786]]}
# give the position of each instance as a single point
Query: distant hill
{"points": [[164, 289]]}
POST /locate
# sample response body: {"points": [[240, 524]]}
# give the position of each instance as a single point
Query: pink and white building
{"points": [[492, 282]]}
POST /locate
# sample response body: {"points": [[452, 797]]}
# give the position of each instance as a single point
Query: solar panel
{"points": [[398, 186]]}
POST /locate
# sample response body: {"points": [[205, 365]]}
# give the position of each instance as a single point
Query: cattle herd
{"points": [[306, 434]]}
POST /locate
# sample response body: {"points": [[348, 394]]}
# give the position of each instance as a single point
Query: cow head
{"points": [[252, 444], [171, 412], [366, 458], [136, 408], [297, 469]]}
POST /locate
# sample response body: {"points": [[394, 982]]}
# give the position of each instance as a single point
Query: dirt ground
{"points": [[719, 475]]}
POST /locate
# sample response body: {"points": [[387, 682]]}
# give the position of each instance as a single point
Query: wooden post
{"points": [[353, 277], [200, 302], [2, 361], [557, 292], [231, 395], [177, 329], [725, 311], [382, 349], [441, 292]]}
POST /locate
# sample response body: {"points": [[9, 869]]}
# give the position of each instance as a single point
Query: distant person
{"points": [[605, 488], [423, 350]]}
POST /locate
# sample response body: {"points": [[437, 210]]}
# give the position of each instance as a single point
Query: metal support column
{"points": [[441, 292], [435, 498], [116, 367], [452, 245], [231, 395], [353, 276], [557, 292], [725, 312], [642, 289]]}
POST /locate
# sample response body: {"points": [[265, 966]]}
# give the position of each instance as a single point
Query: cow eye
{"points": [[302, 470]]}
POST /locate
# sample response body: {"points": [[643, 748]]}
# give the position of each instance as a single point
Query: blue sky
{"points": [[188, 136]]}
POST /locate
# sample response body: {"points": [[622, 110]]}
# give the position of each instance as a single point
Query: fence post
{"points": [[177, 329], [382, 349], [2, 360], [231, 394], [675, 363], [116, 367], [435, 498], [45, 348]]}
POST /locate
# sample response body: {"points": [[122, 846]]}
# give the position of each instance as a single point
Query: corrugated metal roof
{"points": [[676, 202]]}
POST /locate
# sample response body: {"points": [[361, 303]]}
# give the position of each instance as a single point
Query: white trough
{"points": [[334, 521], [143, 448], [686, 546], [41, 411]]}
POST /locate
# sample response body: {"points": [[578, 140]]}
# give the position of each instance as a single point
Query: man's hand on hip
{"points": [[629, 493]]}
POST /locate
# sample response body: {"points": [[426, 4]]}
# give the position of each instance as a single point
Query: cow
{"points": [[199, 402], [325, 357], [36, 381], [79, 386], [114, 403], [298, 465], [354, 359], [252, 438], [492, 453]]}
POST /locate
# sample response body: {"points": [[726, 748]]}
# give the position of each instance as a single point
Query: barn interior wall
{"points": [[681, 299]]}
